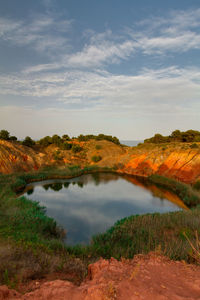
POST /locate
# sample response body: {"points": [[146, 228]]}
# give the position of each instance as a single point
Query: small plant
{"points": [[194, 146], [195, 248], [28, 142], [96, 158], [57, 155], [66, 146], [76, 148], [196, 186], [98, 147]]}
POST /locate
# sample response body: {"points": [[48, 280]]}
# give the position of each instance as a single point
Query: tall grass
{"points": [[144, 233], [30, 240], [187, 194]]}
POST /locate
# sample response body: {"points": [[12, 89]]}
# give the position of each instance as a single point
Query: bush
{"points": [[57, 155], [196, 186], [56, 139], [66, 146], [96, 158], [28, 142], [4, 135], [76, 148], [176, 136], [98, 147], [66, 137], [194, 146], [13, 138], [46, 141]]}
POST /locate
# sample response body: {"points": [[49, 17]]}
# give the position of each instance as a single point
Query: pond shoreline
{"points": [[26, 230]]}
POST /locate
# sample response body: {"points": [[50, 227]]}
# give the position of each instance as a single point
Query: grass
{"points": [[31, 242], [188, 195], [195, 248], [145, 233]]}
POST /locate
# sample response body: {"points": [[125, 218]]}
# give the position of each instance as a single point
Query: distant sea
{"points": [[131, 143]]}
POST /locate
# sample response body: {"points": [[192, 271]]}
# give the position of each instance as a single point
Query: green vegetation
{"points": [[99, 137], [28, 142], [76, 148], [31, 242], [5, 135], [196, 186], [57, 156], [194, 146], [98, 147], [96, 158], [184, 191], [188, 136], [141, 234], [66, 146]]}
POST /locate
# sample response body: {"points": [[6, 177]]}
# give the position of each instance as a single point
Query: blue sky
{"points": [[127, 68]]}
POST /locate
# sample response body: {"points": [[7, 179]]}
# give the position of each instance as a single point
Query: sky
{"points": [[127, 68]]}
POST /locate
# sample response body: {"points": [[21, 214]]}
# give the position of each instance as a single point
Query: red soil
{"points": [[144, 277]]}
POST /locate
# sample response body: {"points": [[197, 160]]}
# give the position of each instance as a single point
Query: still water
{"points": [[90, 204]]}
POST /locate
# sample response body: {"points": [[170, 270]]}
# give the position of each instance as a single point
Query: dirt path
{"points": [[144, 277]]}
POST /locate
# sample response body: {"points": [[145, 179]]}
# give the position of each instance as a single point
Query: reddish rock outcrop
{"points": [[176, 161], [150, 277], [183, 165]]}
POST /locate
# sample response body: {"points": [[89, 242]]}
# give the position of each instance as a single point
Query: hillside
{"points": [[177, 160]]}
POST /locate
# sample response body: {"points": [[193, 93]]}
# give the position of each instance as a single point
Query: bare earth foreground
{"points": [[145, 277]]}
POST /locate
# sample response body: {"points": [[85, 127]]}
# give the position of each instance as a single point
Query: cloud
{"points": [[81, 82], [48, 34], [150, 92], [44, 33]]}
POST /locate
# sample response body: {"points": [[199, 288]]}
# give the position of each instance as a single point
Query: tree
{"points": [[76, 148], [4, 135], [176, 135], [46, 141], [28, 141], [66, 146], [13, 138], [66, 137], [56, 139]]}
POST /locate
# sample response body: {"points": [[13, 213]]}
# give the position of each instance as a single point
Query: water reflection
{"points": [[90, 204]]}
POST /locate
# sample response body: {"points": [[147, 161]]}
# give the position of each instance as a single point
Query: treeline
{"points": [[188, 136], [62, 142], [99, 137]]}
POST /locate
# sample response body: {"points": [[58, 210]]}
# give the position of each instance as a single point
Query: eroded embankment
{"points": [[144, 277], [178, 161]]}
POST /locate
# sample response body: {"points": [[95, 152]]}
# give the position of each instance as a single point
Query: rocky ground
{"points": [[144, 277]]}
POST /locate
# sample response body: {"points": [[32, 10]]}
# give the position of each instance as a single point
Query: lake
{"points": [[90, 204]]}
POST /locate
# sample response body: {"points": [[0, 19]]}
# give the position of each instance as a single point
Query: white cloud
{"points": [[79, 82], [176, 33], [42, 32], [147, 93]]}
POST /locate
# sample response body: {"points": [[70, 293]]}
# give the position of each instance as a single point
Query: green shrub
{"points": [[194, 146], [4, 135], [145, 233], [46, 141], [28, 142], [66, 146], [196, 186], [57, 155], [96, 158], [98, 147], [76, 148]]}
